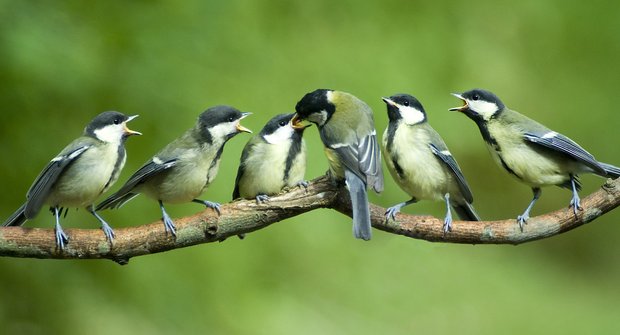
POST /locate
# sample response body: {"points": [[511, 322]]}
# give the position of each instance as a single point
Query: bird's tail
{"points": [[612, 171], [115, 201], [466, 212], [18, 218], [359, 206]]}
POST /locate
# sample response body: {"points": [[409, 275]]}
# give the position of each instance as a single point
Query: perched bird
{"points": [[182, 170], [347, 129], [82, 171], [272, 160], [534, 154], [420, 162]]}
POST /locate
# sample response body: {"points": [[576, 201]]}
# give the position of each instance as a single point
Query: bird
{"points": [[536, 155], [182, 170], [420, 162], [80, 173], [272, 160], [347, 130]]}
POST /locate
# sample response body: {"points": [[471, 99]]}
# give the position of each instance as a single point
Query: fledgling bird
{"points": [[421, 163], [182, 170], [272, 160], [81, 172], [534, 154], [347, 129]]}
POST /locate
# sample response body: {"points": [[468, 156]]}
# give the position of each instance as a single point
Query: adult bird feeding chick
{"points": [[347, 129]]}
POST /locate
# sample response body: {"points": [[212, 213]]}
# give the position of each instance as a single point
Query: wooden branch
{"points": [[245, 216]]}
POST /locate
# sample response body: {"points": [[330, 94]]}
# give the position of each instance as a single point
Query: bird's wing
{"points": [[147, 171], [565, 145], [446, 157], [244, 155], [41, 187], [362, 158]]}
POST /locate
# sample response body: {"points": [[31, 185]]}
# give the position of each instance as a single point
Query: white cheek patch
{"points": [[484, 108], [110, 134], [411, 115], [222, 130], [281, 134]]}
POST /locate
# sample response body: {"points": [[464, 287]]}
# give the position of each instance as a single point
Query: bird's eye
{"points": [[406, 103], [117, 121], [282, 123], [475, 97], [231, 119]]}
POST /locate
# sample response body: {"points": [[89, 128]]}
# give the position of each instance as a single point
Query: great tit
{"points": [[347, 129], [531, 152], [81, 172], [420, 162], [272, 160], [182, 170]]}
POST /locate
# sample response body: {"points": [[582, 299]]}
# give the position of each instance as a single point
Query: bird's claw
{"points": [[213, 205], [303, 184], [391, 212], [447, 224], [261, 198], [169, 225], [575, 203], [61, 238], [108, 231], [522, 220]]}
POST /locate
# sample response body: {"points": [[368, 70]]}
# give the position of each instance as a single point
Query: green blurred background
{"points": [[61, 63]]}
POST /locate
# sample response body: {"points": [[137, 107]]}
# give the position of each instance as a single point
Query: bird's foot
{"points": [[391, 212], [303, 184], [169, 225], [210, 204], [108, 231], [262, 198], [575, 203], [522, 220], [61, 237], [447, 223]]}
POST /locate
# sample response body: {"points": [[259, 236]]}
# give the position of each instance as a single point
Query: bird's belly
{"points": [[422, 176], [266, 176], [532, 166], [92, 178], [177, 185]]}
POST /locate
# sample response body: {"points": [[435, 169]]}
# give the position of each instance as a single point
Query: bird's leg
{"points": [[261, 198], [447, 221], [107, 230], [575, 202], [61, 237], [392, 211], [168, 224], [213, 205], [521, 219]]}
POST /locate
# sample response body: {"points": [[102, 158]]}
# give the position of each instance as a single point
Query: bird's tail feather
{"points": [[115, 201], [466, 212], [18, 218], [612, 171], [359, 206]]}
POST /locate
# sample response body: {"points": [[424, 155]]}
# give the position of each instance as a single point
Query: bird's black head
{"points": [[405, 107], [479, 104], [221, 122], [316, 107], [280, 129], [110, 126]]}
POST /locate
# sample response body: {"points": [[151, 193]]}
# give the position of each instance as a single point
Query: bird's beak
{"points": [[128, 131], [462, 108], [298, 124], [389, 102], [242, 128]]}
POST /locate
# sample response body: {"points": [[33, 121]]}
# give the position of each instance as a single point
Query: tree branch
{"points": [[245, 216]]}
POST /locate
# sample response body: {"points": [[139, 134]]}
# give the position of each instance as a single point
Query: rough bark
{"points": [[244, 216]]}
